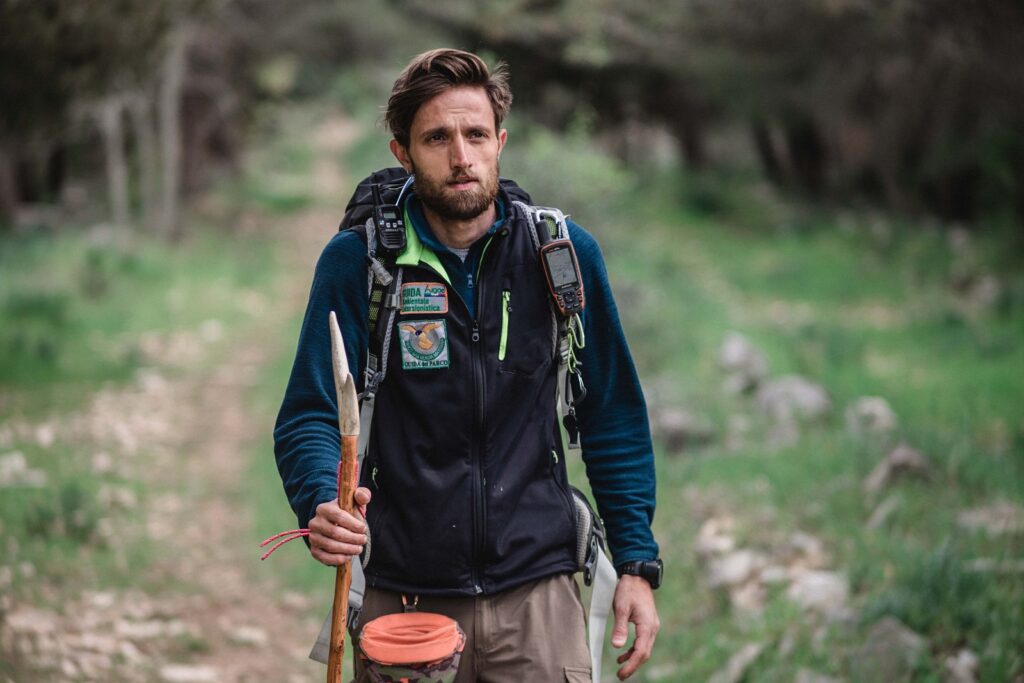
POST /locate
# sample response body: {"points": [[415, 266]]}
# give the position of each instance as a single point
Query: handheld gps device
{"points": [[389, 221], [558, 260]]}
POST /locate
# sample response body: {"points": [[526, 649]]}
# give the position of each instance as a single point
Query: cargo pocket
{"points": [[576, 675]]}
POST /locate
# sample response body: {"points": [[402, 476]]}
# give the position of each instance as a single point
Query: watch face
{"points": [[652, 571]]}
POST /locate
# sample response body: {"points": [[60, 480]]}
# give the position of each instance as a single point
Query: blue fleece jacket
{"points": [[613, 422]]}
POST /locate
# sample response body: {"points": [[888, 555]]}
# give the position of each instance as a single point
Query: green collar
{"points": [[415, 253]]}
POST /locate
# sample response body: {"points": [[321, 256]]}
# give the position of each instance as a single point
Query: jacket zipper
{"points": [[479, 480], [476, 457], [506, 310]]}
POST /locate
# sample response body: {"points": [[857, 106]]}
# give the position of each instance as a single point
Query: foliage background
{"points": [[838, 180]]}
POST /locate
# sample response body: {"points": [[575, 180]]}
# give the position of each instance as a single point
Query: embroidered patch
{"points": [[424, 344], [424, 297]]}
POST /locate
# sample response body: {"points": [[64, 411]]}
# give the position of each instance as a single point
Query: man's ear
{"points": [[502, 137], [402, 154]]}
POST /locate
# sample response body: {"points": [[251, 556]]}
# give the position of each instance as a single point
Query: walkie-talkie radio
{"points": [[389, 221], [558, 259]]}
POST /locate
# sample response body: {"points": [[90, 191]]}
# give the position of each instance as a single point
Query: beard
{"points": [[458, 205]]}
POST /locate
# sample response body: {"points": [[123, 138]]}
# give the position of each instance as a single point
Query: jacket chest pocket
{"points": [[526, 338]]}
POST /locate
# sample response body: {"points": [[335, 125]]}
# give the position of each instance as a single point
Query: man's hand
{"points": [[336, 536], [634, 602]]}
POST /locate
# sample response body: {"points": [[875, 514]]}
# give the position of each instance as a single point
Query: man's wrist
{"points": [[649, 570]]}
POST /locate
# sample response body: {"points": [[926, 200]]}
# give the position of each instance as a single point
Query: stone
{"points": [[793, 397], [805, 550], [824, 592], [14, 471], [774, 574], [715, 536], [297, 602], [678, 428], [248, 635], [962, 667], [880, 515], [30, 621], [46, 435], [102, 463], [117, 498], [804, 675], [131, 654], [744, 364], [663, 672], [737, 666], [889, 653], [148, 630], [748, 598], [182, 673], [211, 330], [734, 568], [902, 461], [98, 642], [870, 415], [997, 519]]}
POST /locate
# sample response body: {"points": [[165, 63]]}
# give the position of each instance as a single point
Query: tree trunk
{"points": [[807, 154], [8, 184], [170, 134], [109, 114], [690, 134], [767, 152], [145, 145]]}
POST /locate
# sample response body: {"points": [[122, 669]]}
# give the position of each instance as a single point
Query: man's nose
{"points": [[457, 152]]}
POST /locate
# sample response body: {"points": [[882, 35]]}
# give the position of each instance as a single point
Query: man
{"points": [[471, 513]]}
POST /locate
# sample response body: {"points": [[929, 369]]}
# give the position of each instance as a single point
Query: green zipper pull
{"points": [[506, 308]]}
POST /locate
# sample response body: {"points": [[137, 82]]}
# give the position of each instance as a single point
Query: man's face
{"points": [[453, 152]]}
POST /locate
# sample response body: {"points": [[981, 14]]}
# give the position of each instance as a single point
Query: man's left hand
{"points": [[634, 602]]}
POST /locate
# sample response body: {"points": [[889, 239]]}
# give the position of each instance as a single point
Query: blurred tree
{"points": [[60, 57], [918, 102]]}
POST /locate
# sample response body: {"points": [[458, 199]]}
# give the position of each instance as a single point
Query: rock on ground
{"points": [[820, 591], [734, 568], [716, 536], [902, 461], [870, 415], [808, 676], [738, 664], [180, 673], [962, 667], [793, 397], [679, 428], [888, 654], [744, 364], [995, 520]]}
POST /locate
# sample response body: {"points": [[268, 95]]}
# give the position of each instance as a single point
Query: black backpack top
{"points": [[360, 206]]}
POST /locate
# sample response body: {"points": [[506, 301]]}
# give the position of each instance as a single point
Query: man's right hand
{"points": [[336, 536]]}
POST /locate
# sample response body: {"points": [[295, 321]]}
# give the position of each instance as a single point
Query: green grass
{"points": [[73, 303], [73, 308], [864, 305]]}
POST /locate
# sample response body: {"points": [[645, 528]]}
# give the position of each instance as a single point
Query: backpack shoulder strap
{"points": [[566, 332]]}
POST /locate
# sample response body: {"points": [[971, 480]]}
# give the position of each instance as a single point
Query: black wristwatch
{"points": [[649, 570]]}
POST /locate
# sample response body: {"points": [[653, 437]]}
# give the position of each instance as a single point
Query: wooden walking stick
{"points": [[348, 424]]}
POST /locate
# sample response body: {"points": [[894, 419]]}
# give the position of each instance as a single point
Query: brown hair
{"points": [[431, 73]]}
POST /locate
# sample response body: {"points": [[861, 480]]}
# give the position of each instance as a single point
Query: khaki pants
{"points": [[536, 632]]}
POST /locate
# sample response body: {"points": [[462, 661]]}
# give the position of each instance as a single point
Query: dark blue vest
{"points": [[470, 493]]}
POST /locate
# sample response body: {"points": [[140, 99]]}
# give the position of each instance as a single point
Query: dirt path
{"points": [[185, 435]]}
